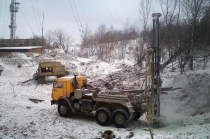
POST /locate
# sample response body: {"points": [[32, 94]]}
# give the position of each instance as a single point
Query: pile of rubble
{"points": [[127, 78], [16, 58]]}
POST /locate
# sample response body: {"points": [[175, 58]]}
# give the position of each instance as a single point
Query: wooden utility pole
{"points": [[42, 34]]}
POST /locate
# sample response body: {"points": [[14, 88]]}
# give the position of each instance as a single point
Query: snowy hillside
{"points": [[26, 112]]}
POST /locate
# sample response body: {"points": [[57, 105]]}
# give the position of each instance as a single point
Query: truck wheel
{"points": [[103, 116], [137, 116], [35, 76], [120, 116], [41, 79], [64, 109]]}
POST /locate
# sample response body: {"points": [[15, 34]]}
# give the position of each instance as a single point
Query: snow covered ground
{"points": [[26, 112]]}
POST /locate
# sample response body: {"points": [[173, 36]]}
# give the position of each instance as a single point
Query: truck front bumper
{"points": [[53, 102]]}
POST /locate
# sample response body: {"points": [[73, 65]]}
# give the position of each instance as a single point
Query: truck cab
{"points": [[64, 87]]}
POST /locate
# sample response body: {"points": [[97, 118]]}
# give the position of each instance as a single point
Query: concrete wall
{"points": [[34, 50], [4, 53], [21, 42]]}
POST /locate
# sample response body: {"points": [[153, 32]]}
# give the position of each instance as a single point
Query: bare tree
{"points": [[124, 39], [63, 39], [193, 11], [145, 12], [99, 35], [49, 40], [49, 37], [145, 16], [168, 9], [37, 41], [86, 36], [126, 30], [93, 44]]}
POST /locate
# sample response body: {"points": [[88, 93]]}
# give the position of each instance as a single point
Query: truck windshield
{"points": [[58, 85]]}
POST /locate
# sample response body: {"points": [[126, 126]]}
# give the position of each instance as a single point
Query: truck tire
{"points": [[137, 116], [120, 116], [103, 116], [35, 76], [63, 109], [41, 79]]}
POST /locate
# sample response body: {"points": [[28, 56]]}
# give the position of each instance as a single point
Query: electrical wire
{"points": [[71, 9], [27, 21], [83, 12], [40, 14], [7, 22], [78, 16], [117, 13], [52, 22], [74, 15], [0, 8], [35, 17], [109, 11], [5, 15]]}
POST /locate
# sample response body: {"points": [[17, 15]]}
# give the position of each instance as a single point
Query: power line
{"points": [[5, 21], [109, 10], [2, 18], [73, 13], [52, 22], [39, 14], [0, 8], [83, 12], [35, 16], [27, 21], [78, 16], [117, 12]]}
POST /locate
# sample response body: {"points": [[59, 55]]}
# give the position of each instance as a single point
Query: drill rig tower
{"points": [[13, 9]]}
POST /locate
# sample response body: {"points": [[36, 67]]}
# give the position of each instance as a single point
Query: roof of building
{"points": [[20, 47]]}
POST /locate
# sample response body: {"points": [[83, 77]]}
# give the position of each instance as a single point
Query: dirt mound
{"points": [[195, 95], [191, 100], [128, 77], [16, 58]]}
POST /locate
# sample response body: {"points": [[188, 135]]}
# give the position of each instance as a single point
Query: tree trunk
{"points": [[205, 63]]}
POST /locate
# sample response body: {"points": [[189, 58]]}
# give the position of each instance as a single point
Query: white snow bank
{"points": [[22, 118]]}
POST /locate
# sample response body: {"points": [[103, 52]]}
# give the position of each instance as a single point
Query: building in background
{"points": [[21, 45]]}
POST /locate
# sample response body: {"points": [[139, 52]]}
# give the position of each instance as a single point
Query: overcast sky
{"points": [[58, 15]]}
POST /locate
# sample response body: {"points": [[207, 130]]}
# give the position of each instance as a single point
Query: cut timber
{"points": [[27, 80], [175, 55], [149, 128], [114, 97]]}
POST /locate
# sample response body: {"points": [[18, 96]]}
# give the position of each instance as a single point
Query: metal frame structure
{"points": [[13, 9], [152, 77], [156, 62]]}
